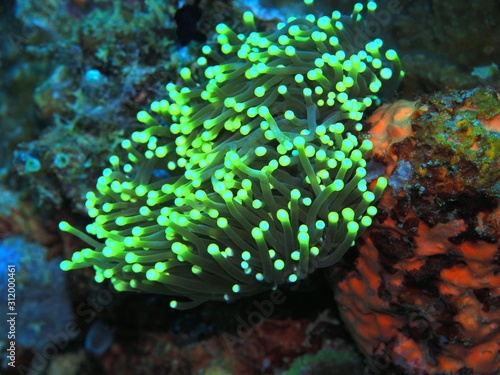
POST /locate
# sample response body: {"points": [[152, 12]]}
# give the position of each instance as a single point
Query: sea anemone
{"points": [[252, 176]]}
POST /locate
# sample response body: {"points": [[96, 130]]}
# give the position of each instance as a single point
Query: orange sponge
{"points": [[424, 296]]}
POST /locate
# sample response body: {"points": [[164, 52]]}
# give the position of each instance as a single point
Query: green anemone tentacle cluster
{"points": [[250, 178]]}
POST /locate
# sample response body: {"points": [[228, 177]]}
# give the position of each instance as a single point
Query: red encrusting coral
{"points": [[424, 296], [271, 344]]}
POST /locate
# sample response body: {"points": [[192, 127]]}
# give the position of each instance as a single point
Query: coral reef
{"points": [[78, 72], [74, 75], [269, 346], [42, 302], [424, 295], [430, 36]]}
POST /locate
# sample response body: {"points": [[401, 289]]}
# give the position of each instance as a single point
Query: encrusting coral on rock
{"points": [[424, 296]]}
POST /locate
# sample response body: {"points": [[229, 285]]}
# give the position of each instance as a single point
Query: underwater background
{"points": [[419, 294]]}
